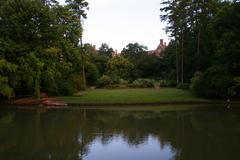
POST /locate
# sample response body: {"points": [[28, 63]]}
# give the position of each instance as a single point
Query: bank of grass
{"points": [[132, 96]]}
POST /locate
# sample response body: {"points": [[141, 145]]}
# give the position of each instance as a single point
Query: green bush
{"points": [[114, 83], [142, 83], [119, 66], [116, 86], [215, 82], [183, 86], [75, 83], [167, 83], [5, 89], [62, 87], [106, 80], [92, 74], [115, 79], [123, 82]]}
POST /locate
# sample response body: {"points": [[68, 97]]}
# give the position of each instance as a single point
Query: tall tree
{"points": [[187, 23], [174, 12], [80, 7]]}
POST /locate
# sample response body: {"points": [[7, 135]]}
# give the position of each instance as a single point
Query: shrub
{"points": [[123, 82], [142, 83], [215, 82], [183, 86], [119, 66], [116, 86], [115, 83], [103, 81], [5, 89], [92, 74], [115, 79], [106, 80], [75, 83], [167, 83]]}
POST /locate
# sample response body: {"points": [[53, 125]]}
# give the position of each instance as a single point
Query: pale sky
{"points": [[119, 22]]}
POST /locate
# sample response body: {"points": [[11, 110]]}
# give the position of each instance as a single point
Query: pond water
{"points": [[140, 133]]}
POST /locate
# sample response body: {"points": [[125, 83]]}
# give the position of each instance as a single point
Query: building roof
{"points": [[159, 50]]}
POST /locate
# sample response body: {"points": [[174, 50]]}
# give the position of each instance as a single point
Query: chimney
{"points": [[161, 42]]}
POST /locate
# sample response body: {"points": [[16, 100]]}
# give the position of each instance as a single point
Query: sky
{"points": [[119, 22]]}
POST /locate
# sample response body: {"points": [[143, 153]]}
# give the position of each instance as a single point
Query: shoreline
{"points": [[132, 105], [154, 103]]}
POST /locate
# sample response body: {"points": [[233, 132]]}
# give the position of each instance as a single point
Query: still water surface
{"points": [[189, 133]]}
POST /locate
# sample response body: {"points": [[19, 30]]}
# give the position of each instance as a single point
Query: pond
{"points": [[135, 133]]}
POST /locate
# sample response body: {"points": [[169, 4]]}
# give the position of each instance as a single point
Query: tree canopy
{"points": [[41, 39], [205, 40]]}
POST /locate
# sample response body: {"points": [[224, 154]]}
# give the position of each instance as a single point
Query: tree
{"points": [[79, 7], [220, 79], [133, 50], [170, 61], [24, 29], [95, 59], [187, 25], [105, 50], [92, 73], [40, 38], [215, 82], [6, 69], [50, 2], [178, 15], [119, 66], [226, 39]]}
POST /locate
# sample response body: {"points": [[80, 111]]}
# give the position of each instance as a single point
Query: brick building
{"points": [[159, 50]]}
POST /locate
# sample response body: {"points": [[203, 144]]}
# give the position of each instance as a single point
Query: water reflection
{"points": [[81, 134], [118, 149]]}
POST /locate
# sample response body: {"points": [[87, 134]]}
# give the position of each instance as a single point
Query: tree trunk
{"points": [[177, 68], [198, 46], [83, 60], [83, 66], [182, 58]]}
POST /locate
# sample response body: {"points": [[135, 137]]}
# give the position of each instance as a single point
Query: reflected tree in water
{"points": [[69, 134]]}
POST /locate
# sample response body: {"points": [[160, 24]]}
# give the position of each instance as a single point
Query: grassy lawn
{"points": [[132, 96]]}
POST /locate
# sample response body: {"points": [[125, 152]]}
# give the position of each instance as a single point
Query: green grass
{"points": [[132, 96]]}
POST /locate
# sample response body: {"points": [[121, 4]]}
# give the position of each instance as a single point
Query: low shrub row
{"points": [[114, 82], [142, 83], [167, 83]]}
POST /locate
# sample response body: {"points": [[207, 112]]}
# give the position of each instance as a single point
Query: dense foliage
{"points": [[145, 65], [205, 44], [39, 46]]}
